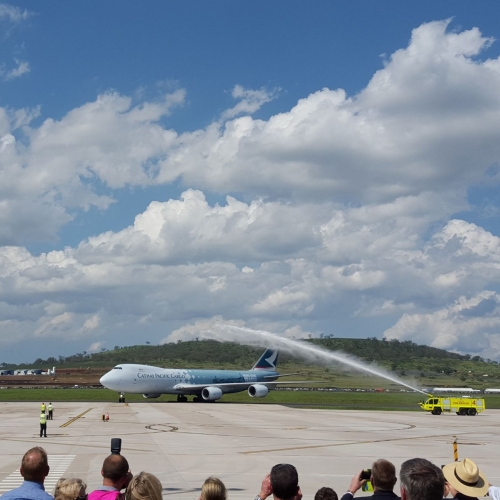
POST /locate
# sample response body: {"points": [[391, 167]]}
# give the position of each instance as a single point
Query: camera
{"points": [[116, 446], [366, 474]]}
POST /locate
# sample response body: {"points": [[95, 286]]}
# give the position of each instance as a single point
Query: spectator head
{"points": [[35, 465], [213, 489], [421, 480], [144, 486], [326, 493], [383, 475], [70, 489], [465, 478], [115, 471], [284, 481]]}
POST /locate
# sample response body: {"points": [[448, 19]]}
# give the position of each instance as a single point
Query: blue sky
{"points": [[285, 166]]}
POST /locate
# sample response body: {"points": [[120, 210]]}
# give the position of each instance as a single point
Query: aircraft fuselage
{"points": [[145, 379]]}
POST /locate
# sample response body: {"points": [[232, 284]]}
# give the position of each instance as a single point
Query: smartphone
{"points": [[366, 474], [116, 446]]}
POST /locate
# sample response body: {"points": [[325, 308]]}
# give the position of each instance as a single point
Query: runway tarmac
{"points": [[184, 443]]}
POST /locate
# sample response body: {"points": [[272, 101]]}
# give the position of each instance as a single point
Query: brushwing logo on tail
{"points": [[268, 361]]}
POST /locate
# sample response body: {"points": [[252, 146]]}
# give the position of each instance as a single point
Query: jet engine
{"points": [[151, 396], [211, 393], [258, 391]]}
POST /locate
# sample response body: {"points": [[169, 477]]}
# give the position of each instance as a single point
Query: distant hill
{"points": [[401, 357]]}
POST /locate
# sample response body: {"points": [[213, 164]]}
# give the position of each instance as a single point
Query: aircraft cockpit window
{"points": [[117, 368]]}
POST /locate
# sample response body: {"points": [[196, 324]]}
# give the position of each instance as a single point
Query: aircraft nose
{"points": [[106, 379]]}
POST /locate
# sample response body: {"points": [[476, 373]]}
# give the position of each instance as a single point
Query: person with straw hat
{"points": [[464, 480]]}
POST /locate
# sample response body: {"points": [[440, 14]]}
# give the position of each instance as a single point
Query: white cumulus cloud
{"points": [[340, 209]]}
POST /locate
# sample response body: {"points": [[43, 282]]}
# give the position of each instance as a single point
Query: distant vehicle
{"points": [[492, 391], [460, 405], [454, 389], [204, 385]]}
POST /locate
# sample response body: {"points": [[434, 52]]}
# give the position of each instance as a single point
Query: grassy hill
{"points": [[418, 365]]}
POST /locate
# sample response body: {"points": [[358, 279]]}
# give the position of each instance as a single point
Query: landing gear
{"points": [[181, 398], [121, 398], [198, 399]]}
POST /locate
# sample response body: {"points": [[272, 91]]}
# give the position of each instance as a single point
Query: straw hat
{"points": [[465, 477]]}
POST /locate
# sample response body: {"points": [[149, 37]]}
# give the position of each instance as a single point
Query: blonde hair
{"points": [[68, 489], [213, 489], [144, 486]]}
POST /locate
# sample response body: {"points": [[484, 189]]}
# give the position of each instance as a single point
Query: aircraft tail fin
{"points": [[268, 361]]}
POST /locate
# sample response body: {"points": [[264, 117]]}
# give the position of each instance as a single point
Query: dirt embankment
{"points": [[68, 377]]}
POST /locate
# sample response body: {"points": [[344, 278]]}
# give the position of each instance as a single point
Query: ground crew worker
{"points": [[43, 424], [42, 407], [51, 409]]}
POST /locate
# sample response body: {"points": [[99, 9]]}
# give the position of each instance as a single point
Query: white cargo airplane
{"points": [[205, 385]]}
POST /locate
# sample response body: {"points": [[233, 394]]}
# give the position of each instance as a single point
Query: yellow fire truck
{"points": [[462, 405]]}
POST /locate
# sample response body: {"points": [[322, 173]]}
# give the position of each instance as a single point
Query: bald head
{"points": [[35, 465], [115, 471]]}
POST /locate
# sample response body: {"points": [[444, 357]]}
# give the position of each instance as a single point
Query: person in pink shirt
{"points": [[116, 476]]}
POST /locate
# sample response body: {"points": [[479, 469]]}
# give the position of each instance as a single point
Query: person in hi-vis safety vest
{"points": [[51, 409], [43, 424], [42, 407]]}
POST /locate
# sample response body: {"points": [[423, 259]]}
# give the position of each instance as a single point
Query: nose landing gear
{"points": [[181, 398], [121, 398]]}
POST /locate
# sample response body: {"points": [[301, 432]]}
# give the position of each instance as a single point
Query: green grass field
{"points": [[401, 401]]}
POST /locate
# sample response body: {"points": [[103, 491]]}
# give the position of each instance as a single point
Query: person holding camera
{"points": [[382, 476], [282, 483], [116, 476]]}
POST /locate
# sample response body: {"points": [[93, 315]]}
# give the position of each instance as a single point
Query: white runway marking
{"points": [[58, 466]]}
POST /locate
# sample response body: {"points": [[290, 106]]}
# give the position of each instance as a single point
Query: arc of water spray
{"points": [[248, 336]]}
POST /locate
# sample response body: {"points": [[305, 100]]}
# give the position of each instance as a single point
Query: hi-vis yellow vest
{"points": [[42, 407], [43, 418]]}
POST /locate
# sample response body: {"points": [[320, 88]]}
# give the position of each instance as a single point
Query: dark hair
{"points": [[284, 481], [326, 493], [421, 480], [35, 465], [383, 475], [115, 467]]}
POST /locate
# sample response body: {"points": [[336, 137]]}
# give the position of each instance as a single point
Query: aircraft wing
{"points": [[187, 387]]}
